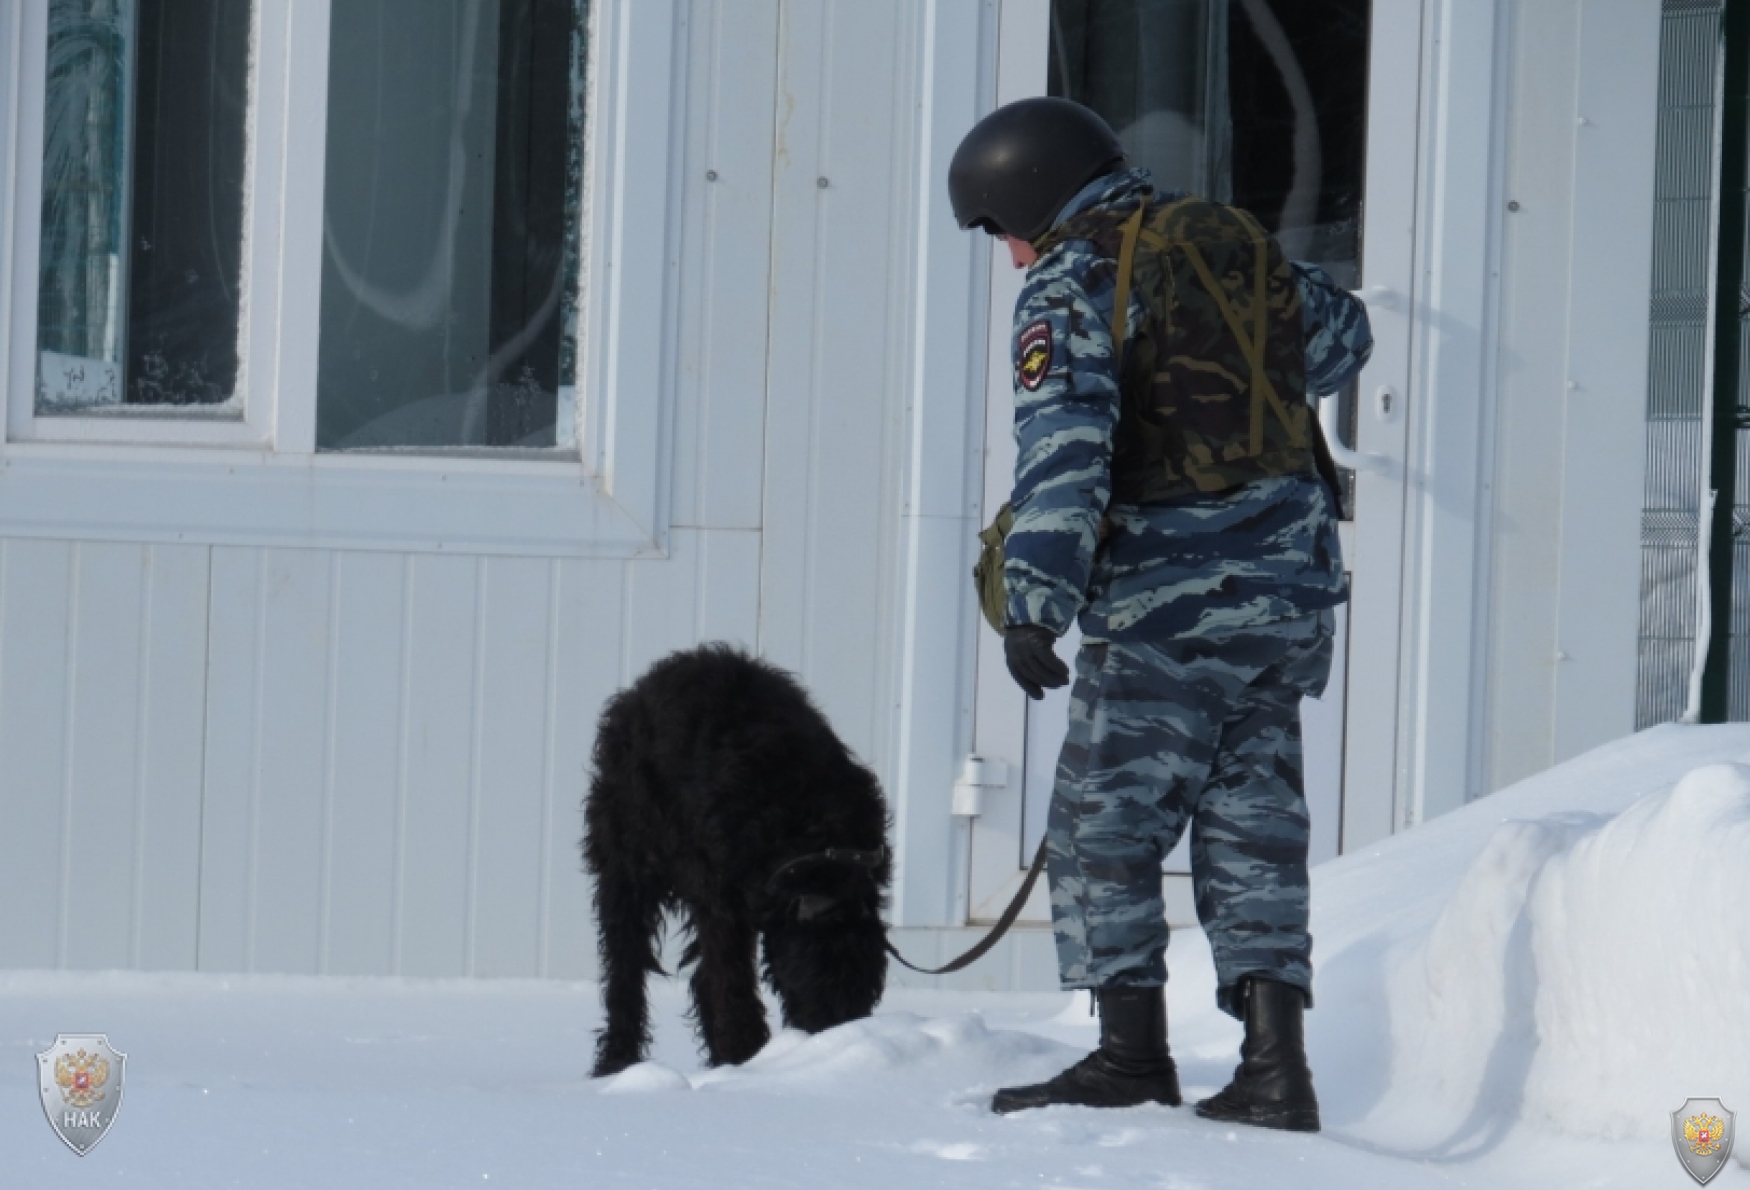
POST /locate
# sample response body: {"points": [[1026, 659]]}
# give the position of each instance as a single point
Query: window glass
{"points": [[139, 289], [1154, 69], [452, 213], [1259, 103]]}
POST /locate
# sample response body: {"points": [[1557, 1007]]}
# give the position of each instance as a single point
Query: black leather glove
{"points": [[1033, 663]]}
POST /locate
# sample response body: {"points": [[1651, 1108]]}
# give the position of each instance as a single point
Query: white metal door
{"points": [[1350, 732]]}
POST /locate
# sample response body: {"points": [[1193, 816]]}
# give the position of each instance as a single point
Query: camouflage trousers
{"points": [[1202, 733]]}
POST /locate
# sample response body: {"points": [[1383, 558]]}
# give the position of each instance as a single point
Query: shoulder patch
{"points": [[1033, 355]]}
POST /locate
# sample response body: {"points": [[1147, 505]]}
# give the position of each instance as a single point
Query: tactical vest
{"points": [[1213, 383]]}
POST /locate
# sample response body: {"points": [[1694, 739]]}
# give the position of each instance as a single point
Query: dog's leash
{"points": [[872, 859], [982, 947]]}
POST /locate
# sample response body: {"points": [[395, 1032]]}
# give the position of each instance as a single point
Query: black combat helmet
{"points": [[1019, 165]]}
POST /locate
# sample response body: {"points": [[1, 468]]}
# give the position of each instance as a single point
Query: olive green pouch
{"points": [[987, 575]]}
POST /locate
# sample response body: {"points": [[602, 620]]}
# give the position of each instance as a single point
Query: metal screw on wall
{"points": [[822, 183]]}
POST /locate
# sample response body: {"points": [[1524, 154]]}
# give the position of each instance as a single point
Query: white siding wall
{"points": [[270, 759], [241, 757], [1567, 450], [102, 683]]}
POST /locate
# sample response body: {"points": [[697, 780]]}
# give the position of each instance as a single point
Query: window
{"points": [[139, 287], [1258, 103], [451, 237], [315, 273]]}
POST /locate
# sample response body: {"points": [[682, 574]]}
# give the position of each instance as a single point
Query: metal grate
{"points": [[1685, 198]]}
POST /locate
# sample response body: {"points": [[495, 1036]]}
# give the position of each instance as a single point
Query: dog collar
{"points": [[832, 855]]}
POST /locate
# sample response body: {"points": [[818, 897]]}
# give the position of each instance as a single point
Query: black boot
{"points": [[1272, 1085], [1131, 1066]]}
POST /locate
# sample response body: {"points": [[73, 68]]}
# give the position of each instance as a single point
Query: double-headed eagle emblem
{"points": [[81, 1077], [1701, 1131]]}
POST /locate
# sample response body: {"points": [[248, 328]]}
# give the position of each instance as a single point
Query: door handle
{"points": [[1341, 455], [1378, 297]]}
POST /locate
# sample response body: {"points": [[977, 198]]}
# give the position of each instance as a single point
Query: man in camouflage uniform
{"points": [[1206, 618]]}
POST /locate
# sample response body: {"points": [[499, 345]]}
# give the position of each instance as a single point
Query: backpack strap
{"points": [[1261, 316], [1252, 345], [1126, 263]]}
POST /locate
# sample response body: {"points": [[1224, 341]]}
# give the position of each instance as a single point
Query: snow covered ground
{"points": [[1514, 995]]}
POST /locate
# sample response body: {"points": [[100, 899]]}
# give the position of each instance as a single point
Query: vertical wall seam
{"points": [[11, 102], [397, 922], [5, 557], [1402, 746], [779, 29], [142, 748], [549, 744], [701, 579], [330, 729], [817, 341], [471, 903], [625, 634], [252, 848], [206, 713], [1479, 748], [68, 701], [707, 260]]}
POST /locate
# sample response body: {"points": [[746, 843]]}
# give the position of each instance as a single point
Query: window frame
{"points": [[258, 478]]}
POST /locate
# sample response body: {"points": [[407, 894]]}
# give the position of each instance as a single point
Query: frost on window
{"points": [[142, 206], [452, 224]]}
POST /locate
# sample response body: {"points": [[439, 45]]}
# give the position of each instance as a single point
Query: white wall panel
{"points": [[397, 747], [268, 662], [36, 584], [512, 729], [1569, 442], [836, 407], [439, 740], [250, 757], [586, 667], [364, 765], [1605, 435], [1536, 258], [105, 669], [293, 663], [725, 263], [101, 689], [171, 708], [938, 636]]}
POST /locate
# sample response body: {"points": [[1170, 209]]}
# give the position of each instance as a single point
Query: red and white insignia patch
{"points": [[1033, 355]]}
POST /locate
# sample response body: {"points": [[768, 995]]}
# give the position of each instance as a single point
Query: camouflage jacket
{"points": [[1185, 567]]}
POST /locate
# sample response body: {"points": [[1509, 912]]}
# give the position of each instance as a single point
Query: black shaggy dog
{"points": [[718, 789]]}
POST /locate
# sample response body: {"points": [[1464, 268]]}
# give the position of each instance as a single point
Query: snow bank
{"points": [[1640, 934], [1512, 996], [643, 1078], [1588, 971]]}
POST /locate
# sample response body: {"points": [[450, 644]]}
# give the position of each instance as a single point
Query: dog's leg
{"points": [[726, 992], [628, 916]]}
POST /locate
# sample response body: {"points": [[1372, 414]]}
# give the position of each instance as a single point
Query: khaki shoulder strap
{"points": [[1139, 228], [1121, 296], [1252, 345]]}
